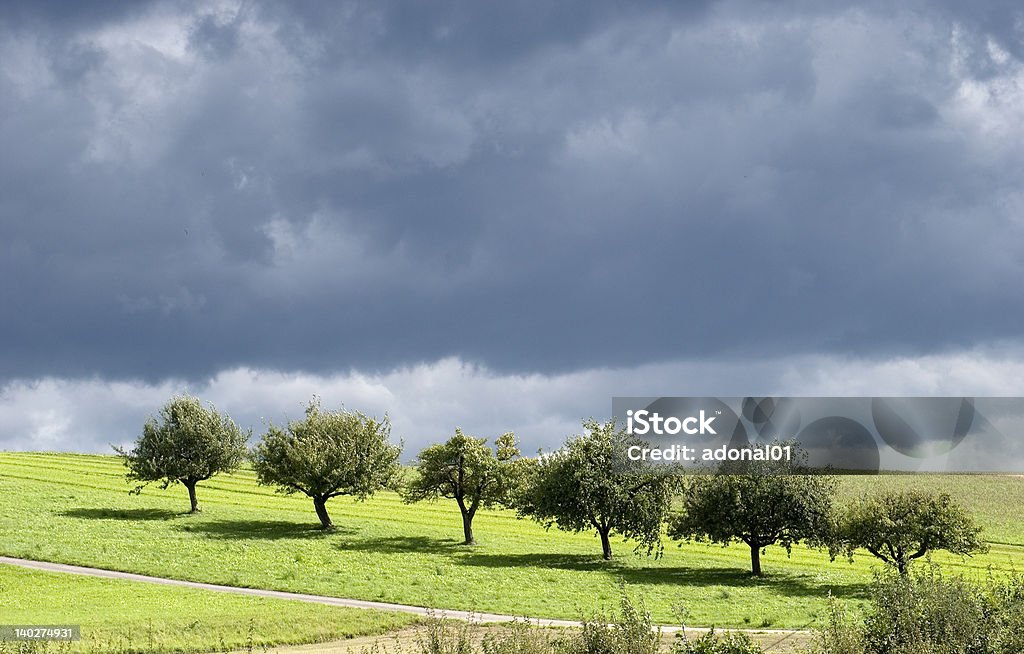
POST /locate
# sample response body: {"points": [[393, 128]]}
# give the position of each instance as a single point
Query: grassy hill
{"points": [[76, 509]]}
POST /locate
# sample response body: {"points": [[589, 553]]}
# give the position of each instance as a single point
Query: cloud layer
{"points": [[500, 217], [427, 401], [194, 187]]}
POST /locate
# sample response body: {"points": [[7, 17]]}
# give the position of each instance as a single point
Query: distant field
{"points": [[76, 509], [132, 616]]}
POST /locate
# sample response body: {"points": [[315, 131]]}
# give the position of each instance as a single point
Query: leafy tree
{"points": [[329, 453], [582, 487], [189, 444], [466, 470], [900, 526], [759, 503]]}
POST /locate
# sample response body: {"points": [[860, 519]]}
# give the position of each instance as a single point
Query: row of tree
{"points": [[584, 486]]}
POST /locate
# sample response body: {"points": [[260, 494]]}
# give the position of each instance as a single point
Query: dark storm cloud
{"points": [[73, 16], [187, 188], [464, 33]]}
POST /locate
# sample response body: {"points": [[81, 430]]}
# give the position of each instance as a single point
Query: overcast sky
{"points": [[499, 215]]}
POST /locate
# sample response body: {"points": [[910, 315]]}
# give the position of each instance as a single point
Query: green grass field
{"points": [[76, 509], [121, 616]]}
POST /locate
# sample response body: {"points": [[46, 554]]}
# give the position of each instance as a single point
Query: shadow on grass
{"points": [[262, 529], [403, 544], [123, 514], [782, 583], [576, 562]]}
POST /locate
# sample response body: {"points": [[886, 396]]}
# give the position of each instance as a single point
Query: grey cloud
{"points": [[537, 188], [465, 35], [68, 16]]}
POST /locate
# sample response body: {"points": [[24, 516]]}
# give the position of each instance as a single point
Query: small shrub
{"points": [[518, 637], [926, 613], [440, 636], [709, 643], [631, 632], [840, 634], [1007, 600]]}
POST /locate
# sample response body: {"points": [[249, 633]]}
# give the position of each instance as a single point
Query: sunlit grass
{"points": [[76, 509], [122, 616]]}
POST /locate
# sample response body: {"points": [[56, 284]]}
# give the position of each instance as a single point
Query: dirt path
{"points": [[354, 645]]}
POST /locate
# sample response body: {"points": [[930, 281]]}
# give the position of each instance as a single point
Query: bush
{"points": [[923, 613], [840, 634], [631, 632], [927, 613], [709, 643], [440, 636], [1008, 615], [518, 637]]}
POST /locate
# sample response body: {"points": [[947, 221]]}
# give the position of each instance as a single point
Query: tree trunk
{"points": [[320, 504], [193, 500], [903, 565], [755, 560], [606, 545], [467, 528]]}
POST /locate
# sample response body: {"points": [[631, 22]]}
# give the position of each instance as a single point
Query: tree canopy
{"points": [[901, 526], [327, 454], [465, 469], [583, 486], [760, 503], [188, 444]]}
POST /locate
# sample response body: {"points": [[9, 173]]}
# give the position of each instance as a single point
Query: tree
{"points": [[901, 526], [329, 453], [189, 444], [583, 486], [466, 470], [759, 503]]}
